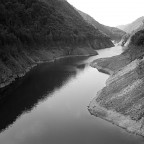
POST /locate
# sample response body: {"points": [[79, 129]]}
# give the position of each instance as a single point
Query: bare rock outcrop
{"points": [[121, 101]]}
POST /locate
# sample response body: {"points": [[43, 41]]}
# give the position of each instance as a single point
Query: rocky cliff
{"points": [[121, 101]]}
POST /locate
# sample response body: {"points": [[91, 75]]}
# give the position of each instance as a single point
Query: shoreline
{"points": [[116, 119], [120, 101], [101, 69], [19, 75]]}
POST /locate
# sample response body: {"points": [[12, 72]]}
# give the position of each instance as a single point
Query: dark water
{"points": [[49, 106]]}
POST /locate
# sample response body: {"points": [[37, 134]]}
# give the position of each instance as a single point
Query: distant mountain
{"points": [[132, 29], [129, 28], [113, 32]]}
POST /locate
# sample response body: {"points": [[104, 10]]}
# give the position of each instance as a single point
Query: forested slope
{"points": [[114, 33], [33, 31]]}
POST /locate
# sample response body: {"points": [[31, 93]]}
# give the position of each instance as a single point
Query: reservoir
{"points": [[49, 106]]}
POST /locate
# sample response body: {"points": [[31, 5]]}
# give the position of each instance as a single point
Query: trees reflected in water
{"points": [[36, 86]]}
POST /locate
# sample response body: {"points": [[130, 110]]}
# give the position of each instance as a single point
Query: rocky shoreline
{"points": [[116, 118], [54, 57], [121, 101]]}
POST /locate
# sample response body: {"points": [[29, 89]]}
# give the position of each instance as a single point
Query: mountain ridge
{"points": [[112, 32], [133, 26]]}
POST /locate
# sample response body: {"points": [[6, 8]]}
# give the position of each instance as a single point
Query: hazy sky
{"points": [[111, 12]]}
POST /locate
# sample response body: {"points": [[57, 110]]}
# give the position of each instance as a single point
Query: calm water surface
{"points": [[49, 106]]}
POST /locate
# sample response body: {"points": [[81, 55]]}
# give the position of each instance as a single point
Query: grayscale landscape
{"points": [[71, 72]]}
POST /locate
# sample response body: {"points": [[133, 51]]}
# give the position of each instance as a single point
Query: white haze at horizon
{"points": [[111, 12]]}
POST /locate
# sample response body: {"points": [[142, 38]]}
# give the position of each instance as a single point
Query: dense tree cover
{"points": [[138, 38], [41, 22], [32, 31]]}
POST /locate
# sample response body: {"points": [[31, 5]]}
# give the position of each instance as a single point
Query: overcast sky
{"points": [[111, 12]]}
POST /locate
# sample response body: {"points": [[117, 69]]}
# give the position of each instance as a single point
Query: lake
{"points": [[49, 106]]}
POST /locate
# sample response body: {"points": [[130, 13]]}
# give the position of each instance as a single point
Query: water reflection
{"points": [[53, 99], [38, 84]]}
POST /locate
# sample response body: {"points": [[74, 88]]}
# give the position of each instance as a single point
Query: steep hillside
{"points": [[114, 33], [126, 39], [121, 101], [42, 22], [34, 31], [129, 28]]}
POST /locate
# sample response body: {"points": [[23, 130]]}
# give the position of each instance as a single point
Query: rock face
{"points": [[125, 39], [114, 33], [121, 101]]}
